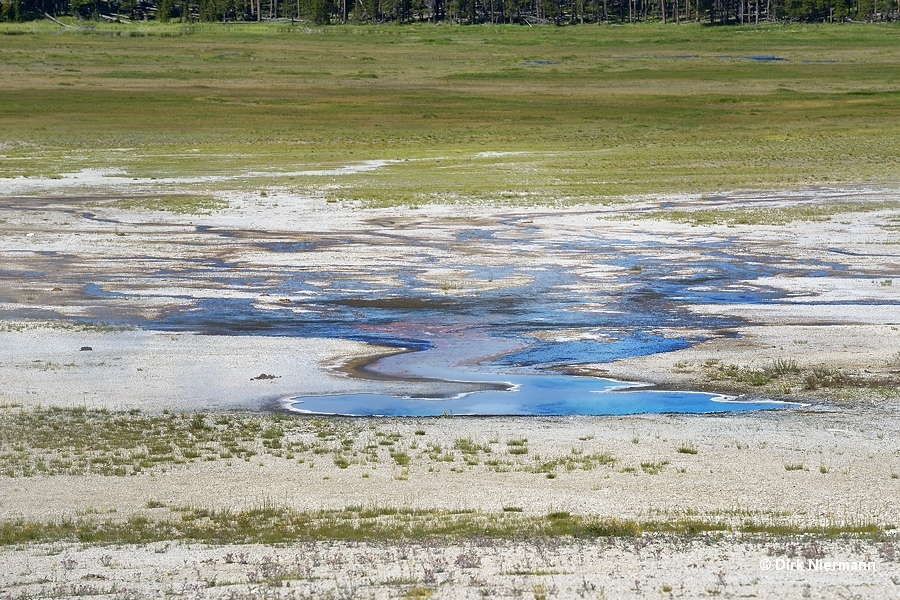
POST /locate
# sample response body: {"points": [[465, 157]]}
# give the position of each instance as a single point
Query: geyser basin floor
{"points": [[801, 467], [605, 288]]}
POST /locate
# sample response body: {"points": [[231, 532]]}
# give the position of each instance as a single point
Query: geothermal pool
{"points": [[532, 395], [525, 390], [491, 310]]}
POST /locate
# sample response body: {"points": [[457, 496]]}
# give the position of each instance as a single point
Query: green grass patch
{"points": [[785, 374], [273, 525], [517, 446], [178, 204], [653, 467], [768, 216], [687, 448], [468, 446], [615, 111], [279, 525]]}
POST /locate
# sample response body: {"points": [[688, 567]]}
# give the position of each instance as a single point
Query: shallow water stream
{"points": [[522, 391], [498, 304]]}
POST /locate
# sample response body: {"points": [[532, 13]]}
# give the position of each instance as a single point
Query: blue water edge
{"points": [[533, 395]]}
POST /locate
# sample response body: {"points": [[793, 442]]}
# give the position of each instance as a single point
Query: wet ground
{"points": [[496, 299]]}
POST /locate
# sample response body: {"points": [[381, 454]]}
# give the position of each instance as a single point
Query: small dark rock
{"points": [[264, 376], [86, 348]]}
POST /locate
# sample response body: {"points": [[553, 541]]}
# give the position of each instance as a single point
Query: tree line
{"points": [[559, 12]]}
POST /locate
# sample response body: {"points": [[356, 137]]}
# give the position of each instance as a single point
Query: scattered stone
{"points": [[264, 376], [86, 349]]}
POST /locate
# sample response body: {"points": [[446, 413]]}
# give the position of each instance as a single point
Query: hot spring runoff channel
{"points": [[494, 343], [480, 313], [516, 392]]}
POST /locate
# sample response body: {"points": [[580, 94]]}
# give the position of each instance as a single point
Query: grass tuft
{"points": [[687, 448]]}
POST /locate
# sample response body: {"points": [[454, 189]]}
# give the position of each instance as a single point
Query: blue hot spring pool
{"points": [[522, 391], [533, 395]]}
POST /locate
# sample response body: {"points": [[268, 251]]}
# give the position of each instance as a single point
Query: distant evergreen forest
{"points": [[558, 12]]}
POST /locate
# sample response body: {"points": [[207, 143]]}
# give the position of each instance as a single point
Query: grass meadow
{"points": [[503, 114]]}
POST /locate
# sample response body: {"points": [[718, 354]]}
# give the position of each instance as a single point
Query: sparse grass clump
{"points": [[784, 366], [768, 216], [687, 448], [401, 458], [471, 450], [19, 326], [653, 467], [59, 441], [786, 374], [822, 376], [517, 446], [418, 592], [78, 441], [177, 204]]}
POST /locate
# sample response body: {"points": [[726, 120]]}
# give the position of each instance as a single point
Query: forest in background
{"points": [[530, 12]]}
